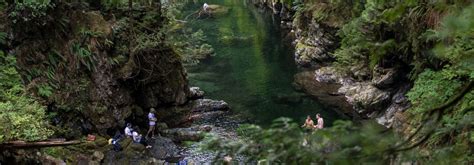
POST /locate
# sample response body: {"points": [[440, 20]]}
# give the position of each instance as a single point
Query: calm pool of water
{"points": [[253, 68]]}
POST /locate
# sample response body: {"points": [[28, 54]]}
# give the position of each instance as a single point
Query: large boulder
{"points": [[365, 97], [330, 75], [205, 105], [163, 148], [326, 93], [385, 78], [399, 103], [196, 93]]}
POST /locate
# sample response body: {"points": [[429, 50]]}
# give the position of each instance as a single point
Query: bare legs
{"points": [[152, 130]]}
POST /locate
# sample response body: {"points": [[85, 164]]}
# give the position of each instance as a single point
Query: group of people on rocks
{"points": [[309, 123], [132, 132]]}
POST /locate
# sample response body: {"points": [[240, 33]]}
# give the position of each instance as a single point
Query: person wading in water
{"points": [[152, 123]]}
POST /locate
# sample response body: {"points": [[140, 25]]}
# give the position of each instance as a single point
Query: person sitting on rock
{"points": [[320, 124], [309, 124], [128, 130], [152, 123], [137, 138]]}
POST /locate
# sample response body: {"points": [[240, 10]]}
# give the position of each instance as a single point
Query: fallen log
{"points": [[39, 144]]}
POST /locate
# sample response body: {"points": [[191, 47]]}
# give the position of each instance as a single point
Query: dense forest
{"points": [[398, 74]]}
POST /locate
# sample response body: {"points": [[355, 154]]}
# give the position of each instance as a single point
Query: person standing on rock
{"points": [[205, 7], [152, 123], [320, 124]]}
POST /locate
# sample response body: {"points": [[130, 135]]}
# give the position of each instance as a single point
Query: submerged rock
{"points": [[218, 9], [183, 134]]}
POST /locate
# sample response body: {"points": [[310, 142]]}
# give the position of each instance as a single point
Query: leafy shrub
{"points": [[21, 118]]}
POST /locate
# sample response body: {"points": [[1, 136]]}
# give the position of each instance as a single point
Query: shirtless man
{"points": [[308, 123], [320, 120], [205, 7]]}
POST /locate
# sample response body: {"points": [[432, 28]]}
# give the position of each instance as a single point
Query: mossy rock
{"points": [[161, 126], [87, 146], [218, 9], [134, 149], [126, 142]]}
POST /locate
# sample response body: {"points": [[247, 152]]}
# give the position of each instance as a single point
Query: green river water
{"points": [[253, 67]]}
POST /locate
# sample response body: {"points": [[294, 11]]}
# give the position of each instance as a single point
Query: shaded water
{"points": [[253, 68]]}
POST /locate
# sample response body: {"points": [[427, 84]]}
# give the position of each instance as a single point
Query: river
{"points": [[253, 68]]}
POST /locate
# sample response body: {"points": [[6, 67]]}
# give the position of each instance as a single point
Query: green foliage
{"points": [[3, 37], [84, 55], [191, 46], [113, 4], [389, 31], [432, 88], [395, 32], [31, 10], [333, 13], [285, 142], [21, 118], [45, 90]]}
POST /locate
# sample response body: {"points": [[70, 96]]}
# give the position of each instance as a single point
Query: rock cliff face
{"points": [[79, 63], [314, 42]]}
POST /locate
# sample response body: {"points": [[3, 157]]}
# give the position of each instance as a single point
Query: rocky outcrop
{"points": [[90, 76], [325, 92], [162, 150], [378, 97], [365, 97], [314, 42]]}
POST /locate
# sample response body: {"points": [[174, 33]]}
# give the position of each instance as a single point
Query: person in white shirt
{"points": [[137, 138], [128, 130]]}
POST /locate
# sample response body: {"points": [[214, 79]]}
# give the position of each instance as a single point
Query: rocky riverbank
{"points": [[179, 144]]}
